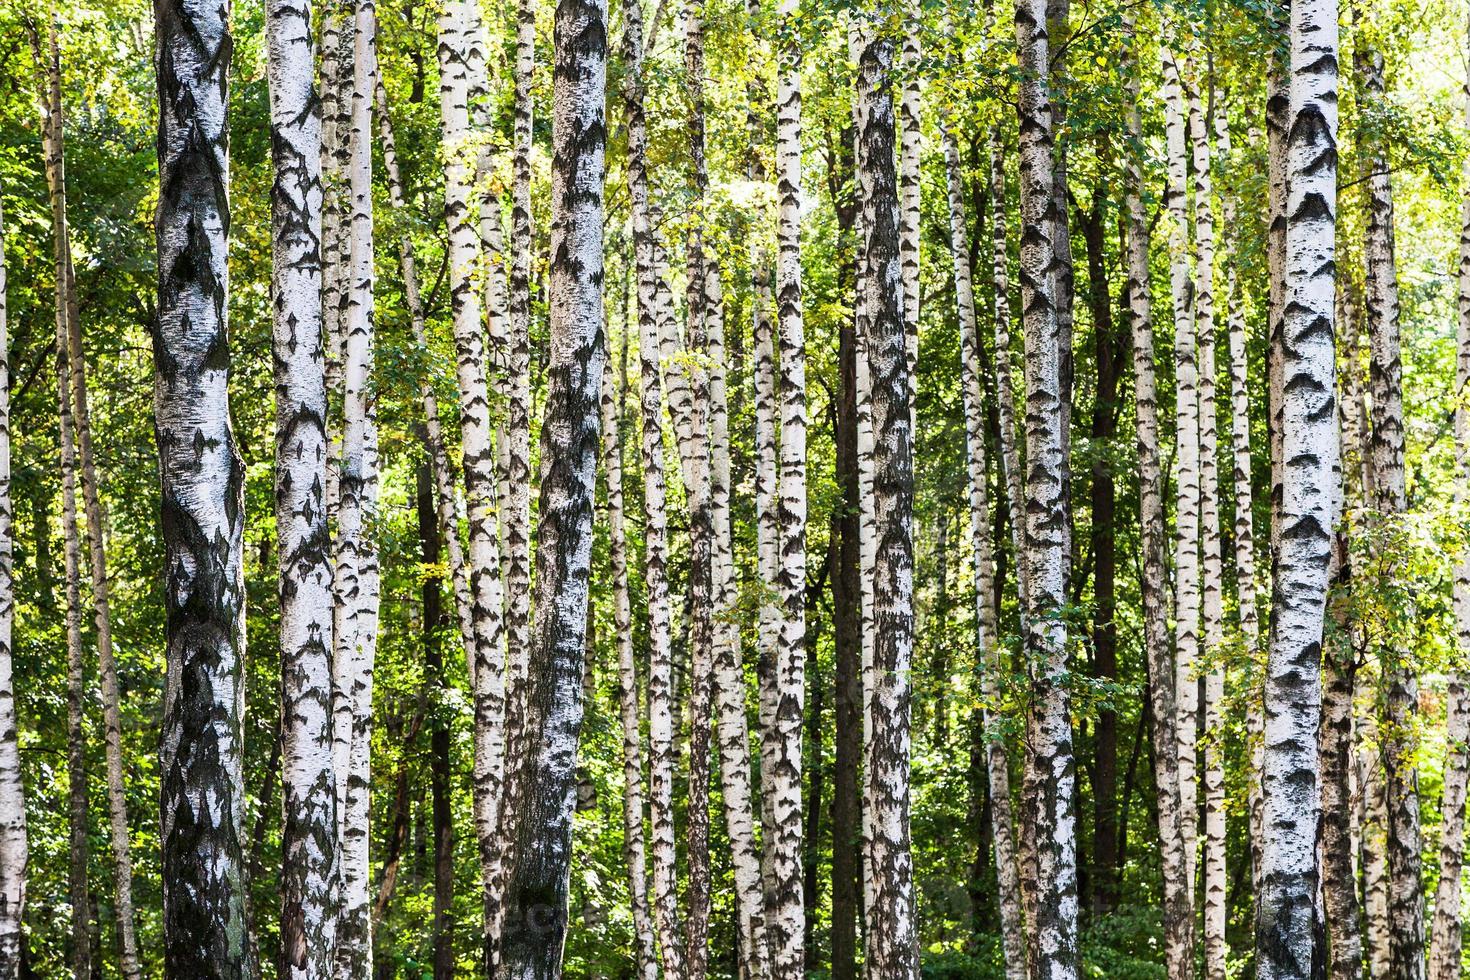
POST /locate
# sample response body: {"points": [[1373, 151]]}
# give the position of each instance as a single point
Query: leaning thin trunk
{"points": [[1286, 925], [651, 288], [13, 846], [202, 482], [1445, 938], [1178, 909], [308, 779], [892, 947], [487, 666], [986, 619], [634, 853], [357, 577], [1398, 675], [537, 885], [78, 889], [1050, 771]]}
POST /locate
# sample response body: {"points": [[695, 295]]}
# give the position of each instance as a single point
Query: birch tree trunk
{"points": [[986, 618], [1005, 386], [1051, 771], [1286, 944], [1178, 909], [336, 96], [537, 886], [54, 142], [734, 734], [487, 673], [1445, 936], [202, 479], [655, 533], [785, 928], [892, 939], [1186, 461], [308, 779], [78, 824], [1211, 569], [634, 853], [910, 146], [1401, 696], [357, 574], [14, 851]]}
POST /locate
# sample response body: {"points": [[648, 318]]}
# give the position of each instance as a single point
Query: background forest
{"points": [[1395, 576]]}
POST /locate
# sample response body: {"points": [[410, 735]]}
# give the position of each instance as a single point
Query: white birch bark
{"points": [[651, 288], [55, 154], [537, 885], [487, 673], [1445, 935], [785, 929], [910, 148], [1186, 461], [892, 937], [336, 96], [202, 480], [357, 576], [1311, 475], [634, 853], [1178, 911], [308, 779], [1214, 881], [1051, 774], [14, 849], [986, 618]]}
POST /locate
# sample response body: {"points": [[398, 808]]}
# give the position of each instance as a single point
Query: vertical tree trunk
{"points": [[13, 846], [1445, 937], [1214, 883], [789, 683], [910, 146], [1339, 666], [1287, 945], [1178, 909], [78, 888], [1005, 387], [537, 886], [1186, 461], [1401, 696], [202, 479], [892, 946], [1051, 770], [634, 853], [308, 832], [997, 765], [1059, 37], [439, 762], [54, 141], [478, 458], [336, 98], [655, 534], [355, 626]]}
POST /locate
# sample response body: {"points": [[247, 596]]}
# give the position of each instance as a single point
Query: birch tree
{"points": [[14, 849], [308, 779], [986, 618], [356, 576], [202, 478], [1445, 934], [537, 886], [1050, 766], [892, 940], [1178, 908], [1310, 491]]}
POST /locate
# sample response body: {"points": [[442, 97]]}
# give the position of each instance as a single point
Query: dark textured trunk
{"points": [[816, 772], [847, 626], [202, 480], [432, 624], [1109, 361], [537, 886]]}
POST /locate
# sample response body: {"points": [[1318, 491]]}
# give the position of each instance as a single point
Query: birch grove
{"points": [[860, 443]]}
